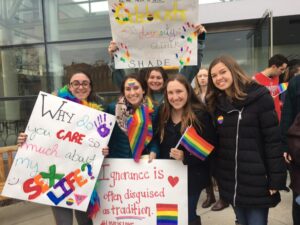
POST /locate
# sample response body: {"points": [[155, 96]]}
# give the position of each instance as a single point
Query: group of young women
{"points": [[236, 115]]}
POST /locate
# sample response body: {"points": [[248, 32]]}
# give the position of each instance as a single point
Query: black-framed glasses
{"points": [[76, 84]]}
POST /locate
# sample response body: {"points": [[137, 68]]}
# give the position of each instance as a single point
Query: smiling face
{"points": [[221, 77], [133, 92], [80, 86], [155, 81], [177, 95], [202, 77]]}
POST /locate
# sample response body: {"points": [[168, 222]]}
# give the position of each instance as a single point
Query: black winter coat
{"points": [[249, 159], [198, 170]]}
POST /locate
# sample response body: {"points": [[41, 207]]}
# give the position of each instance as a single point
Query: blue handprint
{"points": [[102, 128]]}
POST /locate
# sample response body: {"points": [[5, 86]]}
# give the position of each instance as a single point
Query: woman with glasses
{"points": [[79, 89]]}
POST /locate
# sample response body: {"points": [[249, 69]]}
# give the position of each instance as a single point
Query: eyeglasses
{"points": [[76, 84]]}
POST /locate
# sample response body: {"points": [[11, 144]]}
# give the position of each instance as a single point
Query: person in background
{"points": [[181, 109], [133, 97], [269, 78], [250, 167], [293, 69], [290, 110], [79, 88], [156, 78], [201, 84], [201, 91]]}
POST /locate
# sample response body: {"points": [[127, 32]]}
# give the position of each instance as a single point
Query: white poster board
{"points": [[142, 193], [61, 158], [154, 33]]}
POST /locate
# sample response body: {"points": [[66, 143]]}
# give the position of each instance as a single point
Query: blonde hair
{"points": [[197, 87]]}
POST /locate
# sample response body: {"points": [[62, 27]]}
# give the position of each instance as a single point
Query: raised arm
{"points": [[117, 74], [190, 71]]}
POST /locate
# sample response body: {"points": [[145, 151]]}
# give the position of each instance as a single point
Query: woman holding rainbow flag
{"points": [[136, 118], [183, 119], [250, 168]]}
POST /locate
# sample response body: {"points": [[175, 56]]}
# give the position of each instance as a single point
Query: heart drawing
{"points": [[173, 180]]}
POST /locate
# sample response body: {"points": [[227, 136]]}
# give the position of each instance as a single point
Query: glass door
{"points": [[260, 41]]}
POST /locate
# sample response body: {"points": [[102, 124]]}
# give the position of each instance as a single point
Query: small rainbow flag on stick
{"points": [[283, 87], [195, 144], [139, 127], [167, 214]]}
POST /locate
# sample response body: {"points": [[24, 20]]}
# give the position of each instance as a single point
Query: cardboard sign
{"points": [[154, 33], [61, 158], [142, 193]]}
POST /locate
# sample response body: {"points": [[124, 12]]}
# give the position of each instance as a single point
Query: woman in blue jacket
{"points": [[133, 96]]}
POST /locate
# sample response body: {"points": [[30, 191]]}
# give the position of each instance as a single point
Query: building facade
{"points": [[40, 39]]}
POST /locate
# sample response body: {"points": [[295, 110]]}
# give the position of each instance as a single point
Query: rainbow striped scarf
{"points": [[195, 144], [139, 129], [66, 94]]}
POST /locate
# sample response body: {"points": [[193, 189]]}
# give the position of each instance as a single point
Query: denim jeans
{"points": [[252, 216]]}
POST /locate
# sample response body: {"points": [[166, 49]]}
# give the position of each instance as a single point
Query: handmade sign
{"points": [[151, 33], [142, 193], [61, 158]]}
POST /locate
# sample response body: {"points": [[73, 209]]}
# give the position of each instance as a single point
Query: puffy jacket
{"points": [[249, 158]]}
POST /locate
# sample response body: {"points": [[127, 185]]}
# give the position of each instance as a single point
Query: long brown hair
{"points": [[188, 116], [239, 77]]}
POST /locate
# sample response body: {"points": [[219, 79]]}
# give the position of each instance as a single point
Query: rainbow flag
{"points": [[166, 214], [283, 87], [139, 127], [195, 144]]}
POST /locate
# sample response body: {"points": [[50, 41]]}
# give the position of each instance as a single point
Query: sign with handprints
{"points": [[154, 33], [62, 156], [142, 193]]}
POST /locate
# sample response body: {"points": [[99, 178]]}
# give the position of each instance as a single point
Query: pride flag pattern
{"points": [[140, 131], [283, 87], [167, 214], [195, 144]]}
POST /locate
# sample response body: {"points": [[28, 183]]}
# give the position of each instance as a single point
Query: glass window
{"points": [[73, 20], [94, 53], [21, 22], [22, 71], [14, 116], [234, 43]]}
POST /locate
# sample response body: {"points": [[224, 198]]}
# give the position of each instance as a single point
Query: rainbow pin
{"points": [[220, 119]]}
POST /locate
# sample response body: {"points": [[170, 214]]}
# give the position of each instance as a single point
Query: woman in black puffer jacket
{"points": [[250, 165]]}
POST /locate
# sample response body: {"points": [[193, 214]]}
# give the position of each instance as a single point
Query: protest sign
{"points": [[61, 158], [154, 33], [142, 193]]}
